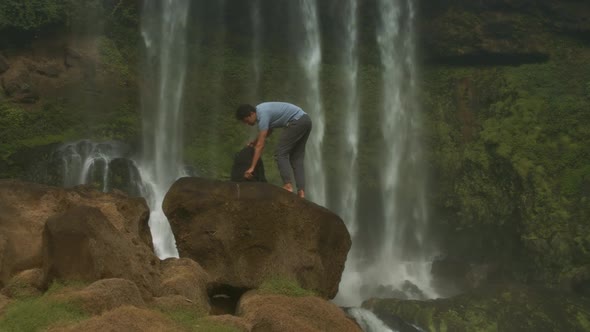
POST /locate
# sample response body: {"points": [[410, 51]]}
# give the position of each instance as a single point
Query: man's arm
{"points": [[257, 151]]}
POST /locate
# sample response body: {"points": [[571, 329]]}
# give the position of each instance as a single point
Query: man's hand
{"points": [[248, 174]]}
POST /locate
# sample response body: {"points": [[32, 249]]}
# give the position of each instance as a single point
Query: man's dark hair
{"points": [[244, 111]]}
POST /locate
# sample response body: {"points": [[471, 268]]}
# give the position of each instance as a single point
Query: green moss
{"points": [[284, 286], [37, 314], [113, 60], [195, 321]]}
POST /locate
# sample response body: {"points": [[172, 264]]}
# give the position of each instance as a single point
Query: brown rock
{"points": [[4, 66], [237, 323], [172, 303], [105, 295], [128, 319], [25, 284], [186, 278], [51, 70], [81, 244], [245, 233], [25, 207], [301, 314], [17, 85]]}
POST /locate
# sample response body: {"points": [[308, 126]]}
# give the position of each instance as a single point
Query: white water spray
{"points": [[256, 41], [402, 256], [368, 321], [164, 33], [348, 200], [311, 60]]}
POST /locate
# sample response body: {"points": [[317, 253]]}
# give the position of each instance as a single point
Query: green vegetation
{"points": [[193, 321], [509, 150], [282, 286], [31, 14], [32, 314], [512, 308]]}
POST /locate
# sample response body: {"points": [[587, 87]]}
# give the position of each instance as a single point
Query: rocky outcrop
{"points": [[25, 208], [283, 313], [104, 295], [245, 233], [126, 318], [184, 277], [81, 244]]}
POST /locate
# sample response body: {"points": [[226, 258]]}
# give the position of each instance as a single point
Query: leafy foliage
{"points": [[522, 173], [31, 14]]}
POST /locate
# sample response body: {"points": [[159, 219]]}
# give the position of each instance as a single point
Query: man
{"points": [[290, 151]]}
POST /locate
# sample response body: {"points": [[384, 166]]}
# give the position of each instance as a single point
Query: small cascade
{"points": [[103, 164], [311, 60], [368, 321]]}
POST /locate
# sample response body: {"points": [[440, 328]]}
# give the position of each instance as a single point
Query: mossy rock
{"points": [[505, 308]]}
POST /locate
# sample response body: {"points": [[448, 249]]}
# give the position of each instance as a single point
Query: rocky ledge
{"points": [[253, 258]]}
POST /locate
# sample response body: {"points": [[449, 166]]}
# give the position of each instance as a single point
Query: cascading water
{"points": [[368, 321], [311, 58], [400, 267], [347, 202], [164, 33], [403, 254], [256, 40], [103, 164]]}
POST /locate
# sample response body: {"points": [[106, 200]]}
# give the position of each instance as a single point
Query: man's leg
{"points": [[297, 157], [289, 138]]}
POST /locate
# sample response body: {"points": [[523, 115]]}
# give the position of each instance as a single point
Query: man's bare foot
{"points": [[288, 187], [301, 193]]}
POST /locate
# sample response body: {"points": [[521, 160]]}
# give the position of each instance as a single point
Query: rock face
{"points": [[81, 244], [244, 233], [283, 313], [25, 208]]}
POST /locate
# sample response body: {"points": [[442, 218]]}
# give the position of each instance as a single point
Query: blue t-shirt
{"points": [[276, 114]]}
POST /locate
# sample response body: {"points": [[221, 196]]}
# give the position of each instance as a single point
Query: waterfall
{"points": [[368, 321], [164, 34], [348, 198], [403, 254], [311, 60], [256, 43], [105, 165]]}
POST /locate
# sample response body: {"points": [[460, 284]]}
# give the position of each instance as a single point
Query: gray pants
{"points": [[290, 151]]}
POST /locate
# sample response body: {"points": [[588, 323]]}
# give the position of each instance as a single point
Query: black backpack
{"points": [[242, 161]]}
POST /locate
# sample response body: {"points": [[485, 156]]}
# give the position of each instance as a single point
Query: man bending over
{"points": [[290, 151]]}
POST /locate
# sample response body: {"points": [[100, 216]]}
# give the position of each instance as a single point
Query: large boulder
{"points": [[103, 295], [127, 318], [285, 313], [25, 208], [81, 244], [245, 233], [184, 277]]}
